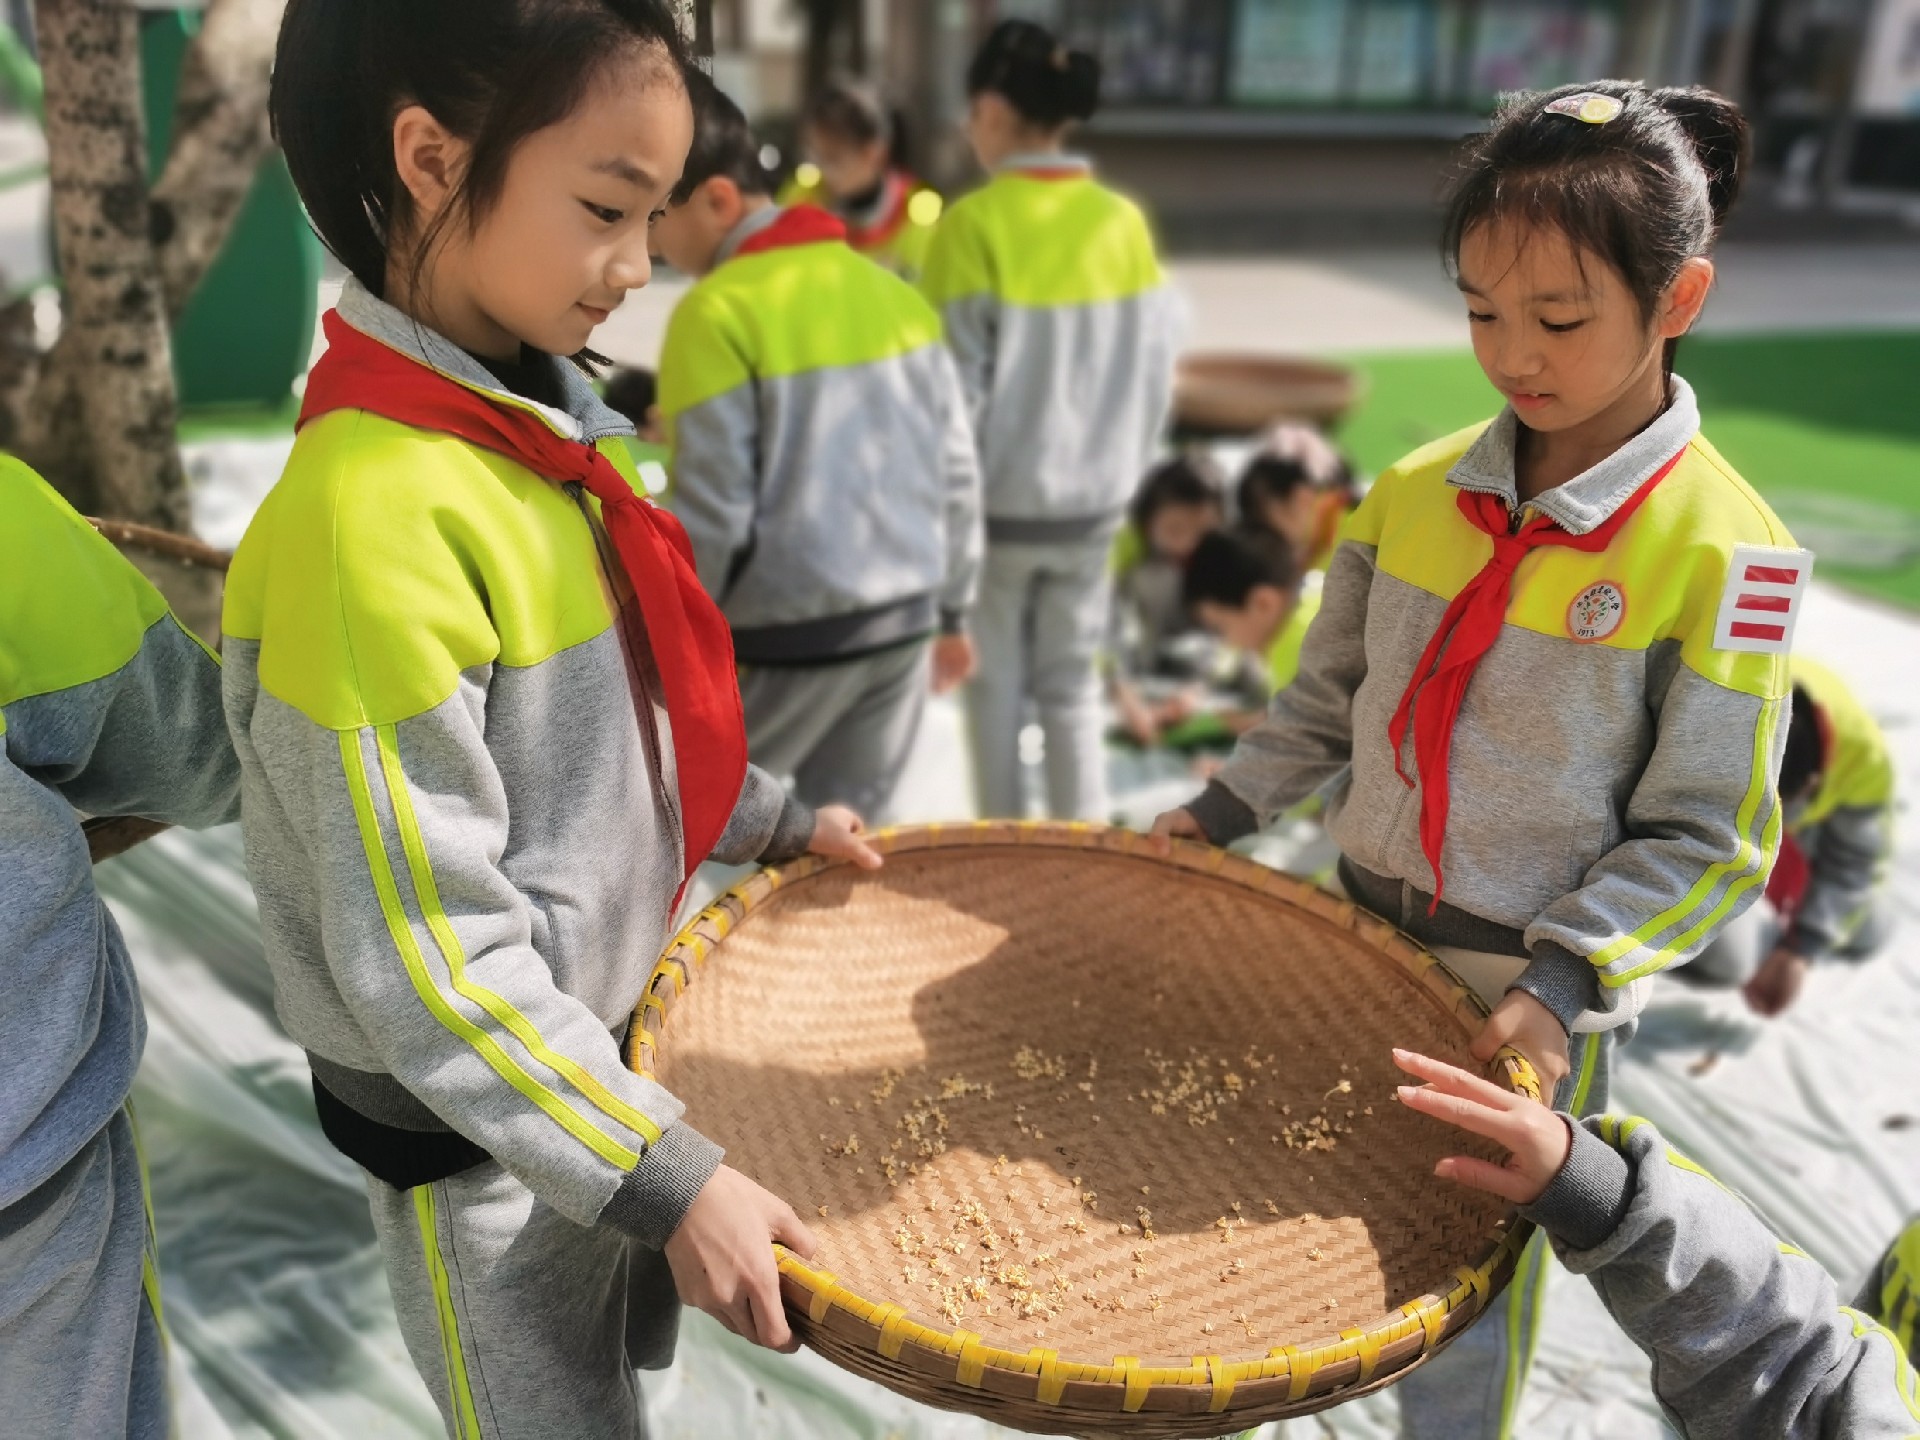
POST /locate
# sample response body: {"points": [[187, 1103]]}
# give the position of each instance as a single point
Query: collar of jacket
{"points": [[1046, 166], [745, 229], [581, 416], [1588, 500]]}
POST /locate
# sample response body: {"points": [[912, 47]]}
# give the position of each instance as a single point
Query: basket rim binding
{"points": [[892, 1332]]}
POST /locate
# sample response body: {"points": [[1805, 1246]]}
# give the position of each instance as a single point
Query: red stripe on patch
{"points": [[1778, 604], [1771, 575], [1747, 630]]}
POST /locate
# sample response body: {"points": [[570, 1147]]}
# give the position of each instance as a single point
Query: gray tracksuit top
{"points": [[1065, 331], [1747, 1334], [107, 707], [822, 460], [1614, 763], [459, 796]]}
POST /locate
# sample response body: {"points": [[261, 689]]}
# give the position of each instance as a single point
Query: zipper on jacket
{"points": [[626, 616]]}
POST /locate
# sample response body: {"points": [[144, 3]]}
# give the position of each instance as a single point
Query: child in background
{"points": [[1178, 503], [855, 168], [107, 707], [1247, 587], [634, 391], [1824, 898], [1746, 1333], [823, 467], [486, 717], [1065, 331], [1301, 488], [1551, 714]]}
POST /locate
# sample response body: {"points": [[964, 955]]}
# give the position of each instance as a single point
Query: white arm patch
{"points": [[1761, 602]]}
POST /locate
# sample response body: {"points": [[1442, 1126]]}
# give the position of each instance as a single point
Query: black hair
{"points": [[1046, 82], [855, 111], [632, 391], [1190, 479], [723, 144], [492, 72], [1804, 757], [1645, 190], [1228, 565]]}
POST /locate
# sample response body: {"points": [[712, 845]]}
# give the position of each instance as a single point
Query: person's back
{"points": [[823, 467], [1060, 315], [832, 535]]}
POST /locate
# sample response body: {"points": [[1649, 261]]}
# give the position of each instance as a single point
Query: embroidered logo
{"points": [[1596, 612], [1761, 602]]}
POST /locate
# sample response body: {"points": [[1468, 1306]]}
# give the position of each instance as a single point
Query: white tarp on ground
{"points": [[278, 1305]]}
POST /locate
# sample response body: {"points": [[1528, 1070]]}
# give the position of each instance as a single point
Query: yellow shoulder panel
{"points": [[388, 559], [72, 608]]}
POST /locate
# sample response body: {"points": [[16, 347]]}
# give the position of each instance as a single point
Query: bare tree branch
{"points": [[220, 136]]}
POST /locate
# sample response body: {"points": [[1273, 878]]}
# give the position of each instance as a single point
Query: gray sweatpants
{"points": [[523, 1324], [842, 732], [82, 1351], [1039, 625]]}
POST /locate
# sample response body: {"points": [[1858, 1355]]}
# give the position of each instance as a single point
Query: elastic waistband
{"points": [[839, 637], [1050, 530], [1402, 903]]}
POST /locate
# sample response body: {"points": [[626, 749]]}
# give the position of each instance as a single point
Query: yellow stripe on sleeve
{"points": [[496, 1005], [503, 1064], [1751, 861]]}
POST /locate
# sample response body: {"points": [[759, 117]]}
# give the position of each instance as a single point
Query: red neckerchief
{"points": [[691, 645], [1466, 633], [796, 225], [893, 215]]}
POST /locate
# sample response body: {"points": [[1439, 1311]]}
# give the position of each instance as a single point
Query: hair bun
{"points": [[1721, 136]]}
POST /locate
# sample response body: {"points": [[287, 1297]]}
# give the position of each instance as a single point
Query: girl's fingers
{"points": [[1485, 1175], [1500, 1126], [1453, 1080], [790, 1231], [769, 1316]]}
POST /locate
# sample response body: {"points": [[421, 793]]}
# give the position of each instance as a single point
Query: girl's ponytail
{"points": [[1047, 83], [1721, 137]]}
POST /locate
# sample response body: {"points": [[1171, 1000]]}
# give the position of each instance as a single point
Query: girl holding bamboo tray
{"points": [[487, 718], [1547, 688]]}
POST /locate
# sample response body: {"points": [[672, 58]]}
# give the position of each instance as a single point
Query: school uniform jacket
{"points": [[822, 460], [1846, 829], [1065, 330], [1746, 1332], [893, 230], [461, 812], [1614, 798], [107, 707]]}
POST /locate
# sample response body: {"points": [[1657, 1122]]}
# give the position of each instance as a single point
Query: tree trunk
{"points": [[101, 421], [220, 136]]}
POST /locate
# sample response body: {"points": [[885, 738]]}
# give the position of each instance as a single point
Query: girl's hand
{"points": [[722, 1257], [1537, 1139], [1174, 823], [1528, 1026], [954, 661], [837, 831]]}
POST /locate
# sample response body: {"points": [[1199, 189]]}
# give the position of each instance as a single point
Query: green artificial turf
{"points": [[1826, 426]]}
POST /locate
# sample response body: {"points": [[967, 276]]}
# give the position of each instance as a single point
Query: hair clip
{"points": [[1590, 106]]}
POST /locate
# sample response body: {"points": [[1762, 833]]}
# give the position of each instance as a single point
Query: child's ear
{"points": [[1685, 297], [723, 200], [428, 158]]}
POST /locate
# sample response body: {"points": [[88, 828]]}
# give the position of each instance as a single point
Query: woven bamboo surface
{"points": [[1068, 1122]]}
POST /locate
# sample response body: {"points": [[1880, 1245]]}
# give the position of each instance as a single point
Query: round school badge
{"points": [[1596, 612]]}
